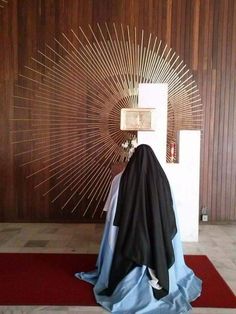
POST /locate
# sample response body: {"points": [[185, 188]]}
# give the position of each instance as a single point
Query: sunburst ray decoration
{"points": [[3, 3], [67, 110]]}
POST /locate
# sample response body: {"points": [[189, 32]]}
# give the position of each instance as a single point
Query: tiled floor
{"points": [[218, 242]]}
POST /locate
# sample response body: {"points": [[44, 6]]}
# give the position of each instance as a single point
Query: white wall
{"points": [[183, 176]]}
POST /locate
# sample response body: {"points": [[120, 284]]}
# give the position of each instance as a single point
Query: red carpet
{"points": [[215, 292], [48, 279]]}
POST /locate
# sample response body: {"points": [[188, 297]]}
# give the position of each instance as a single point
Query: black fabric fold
{"points": [[146, 221]]}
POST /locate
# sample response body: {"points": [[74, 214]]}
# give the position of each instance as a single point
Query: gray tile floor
{"points": [[218, 242]]}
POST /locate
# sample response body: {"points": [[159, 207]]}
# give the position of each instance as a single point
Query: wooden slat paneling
{"points": [[202, 32]]}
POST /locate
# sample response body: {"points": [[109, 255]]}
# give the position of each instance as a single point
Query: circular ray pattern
{"points": [[67, 110]]}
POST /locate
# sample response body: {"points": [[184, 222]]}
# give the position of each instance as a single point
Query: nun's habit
{"points": [[140, 267]]}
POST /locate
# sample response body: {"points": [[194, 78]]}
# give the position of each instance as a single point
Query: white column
{"points": [[155, 96], [183, 176]]}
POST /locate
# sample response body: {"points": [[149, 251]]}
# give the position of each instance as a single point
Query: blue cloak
{"points": [[134, 293]]}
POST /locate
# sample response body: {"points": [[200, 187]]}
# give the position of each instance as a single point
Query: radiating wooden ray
{"points": [[67, 108], [73, 166], [98, 196], [54, 159], [52, 85], [92, 192], [80, 56], [100, 151], [96, 173], [113, 158]]}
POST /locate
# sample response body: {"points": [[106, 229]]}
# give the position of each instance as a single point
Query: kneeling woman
{"points": [[140, 267]]}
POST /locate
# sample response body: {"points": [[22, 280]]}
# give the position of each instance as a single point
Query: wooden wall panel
{"points": [[203, 34]]}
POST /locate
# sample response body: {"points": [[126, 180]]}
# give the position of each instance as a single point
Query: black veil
{"points": [[146, 221]]}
